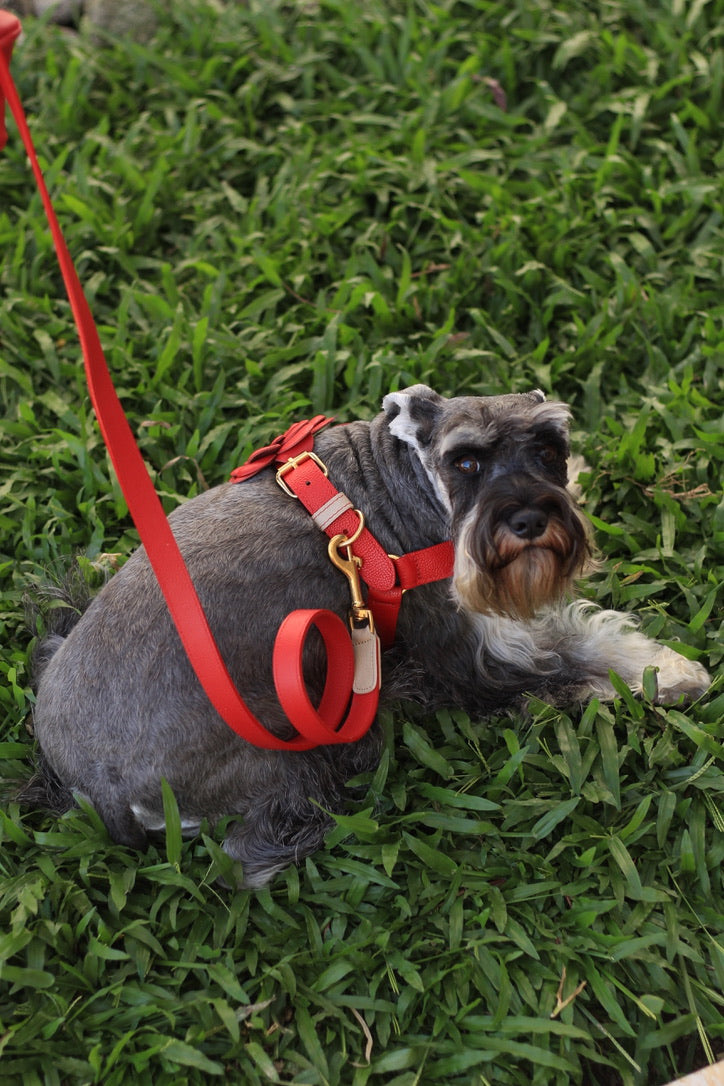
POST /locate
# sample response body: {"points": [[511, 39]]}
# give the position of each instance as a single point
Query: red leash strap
{"points": [[315, 726], [413, 569], [9, 31]]}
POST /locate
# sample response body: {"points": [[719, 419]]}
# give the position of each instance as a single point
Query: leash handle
{"points": [[153, 527]]}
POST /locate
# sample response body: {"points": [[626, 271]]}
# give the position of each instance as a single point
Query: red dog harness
{"points": [[302, 475], [353, 672]]}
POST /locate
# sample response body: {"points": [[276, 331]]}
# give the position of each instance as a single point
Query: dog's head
{"points": [[498, 465]]}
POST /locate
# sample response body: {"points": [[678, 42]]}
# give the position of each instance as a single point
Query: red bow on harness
{"points": [[352, 683], [297, 439]]}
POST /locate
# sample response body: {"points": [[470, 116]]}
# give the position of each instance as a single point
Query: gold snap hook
{"points": [[350, 564]]}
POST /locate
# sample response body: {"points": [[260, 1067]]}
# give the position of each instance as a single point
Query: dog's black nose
{"points": [[528, 523]]}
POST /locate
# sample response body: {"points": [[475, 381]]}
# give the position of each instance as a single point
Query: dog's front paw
{"points": [[679, 678]]}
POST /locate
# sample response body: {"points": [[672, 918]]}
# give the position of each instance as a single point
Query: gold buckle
{"points": [[294, 462]]}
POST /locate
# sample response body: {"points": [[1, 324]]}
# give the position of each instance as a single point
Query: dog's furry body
{"points": [[119, 707]]}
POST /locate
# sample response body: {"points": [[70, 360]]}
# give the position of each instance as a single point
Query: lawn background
{"points": [[278, 210]]}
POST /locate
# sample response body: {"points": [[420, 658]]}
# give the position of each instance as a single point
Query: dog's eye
{"points": [[548, 454], [468, 465]]}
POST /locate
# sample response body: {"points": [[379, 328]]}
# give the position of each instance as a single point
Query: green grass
{"points": [[284, 210]]}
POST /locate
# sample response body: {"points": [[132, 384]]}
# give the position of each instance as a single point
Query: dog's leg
{"points": [[270, 839], [288, 815], [590, 643]]}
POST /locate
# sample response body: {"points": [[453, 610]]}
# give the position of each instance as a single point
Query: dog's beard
{"points": [[505, 575]]}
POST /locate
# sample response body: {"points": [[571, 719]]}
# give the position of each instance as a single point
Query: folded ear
{"points": [[412, 413]]}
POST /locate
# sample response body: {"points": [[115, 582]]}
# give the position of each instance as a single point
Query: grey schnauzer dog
{"points": [[118, 706]]}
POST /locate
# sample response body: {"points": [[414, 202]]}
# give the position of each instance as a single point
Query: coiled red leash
{"points": [[324, 724]]}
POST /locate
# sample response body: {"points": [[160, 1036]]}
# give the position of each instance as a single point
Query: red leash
{"points": [[316, 726], [353, 671]]}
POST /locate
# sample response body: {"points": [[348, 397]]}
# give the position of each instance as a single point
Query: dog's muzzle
{"points": [[519, 549]]}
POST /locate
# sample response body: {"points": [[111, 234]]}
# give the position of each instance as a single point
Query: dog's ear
{"points": [[412, 414]]}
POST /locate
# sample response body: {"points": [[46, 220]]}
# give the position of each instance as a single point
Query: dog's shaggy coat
{"points": [[119, 708]]}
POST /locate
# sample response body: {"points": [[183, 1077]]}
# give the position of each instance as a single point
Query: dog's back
{"points": [[57, 605], [53, 610]]}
